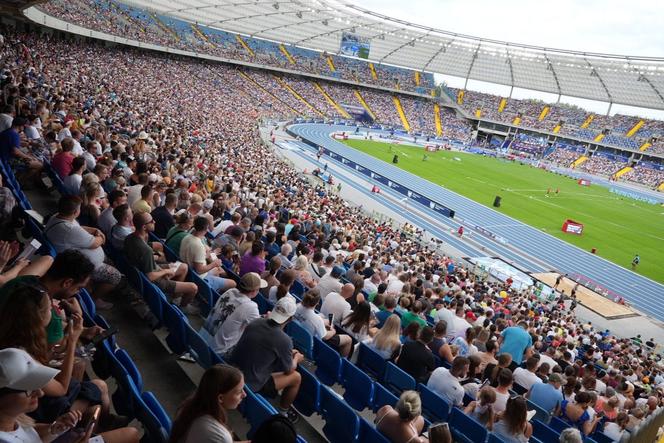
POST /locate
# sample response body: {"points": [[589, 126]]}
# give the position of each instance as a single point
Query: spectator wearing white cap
{"points": [[266, 356], [21, 382]]}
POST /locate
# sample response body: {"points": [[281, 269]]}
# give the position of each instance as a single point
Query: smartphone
{"points": [[330, 318], [89, 421], [97, 339]]}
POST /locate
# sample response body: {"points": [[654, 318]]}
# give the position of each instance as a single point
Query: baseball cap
{"points": [[21, 372], [252, 281], [284, 309]]}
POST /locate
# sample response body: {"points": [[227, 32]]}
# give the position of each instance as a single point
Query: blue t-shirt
{"points": [[515, 342], [9, 139], [545, 396]]}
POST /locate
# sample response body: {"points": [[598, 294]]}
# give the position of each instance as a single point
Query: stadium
{"points": [[278, 221]]}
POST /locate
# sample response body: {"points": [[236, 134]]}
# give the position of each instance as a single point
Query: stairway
{"points": [[501, 105], [330, 63], [364, 104], [556, 128], [244, 44], [200, 34], [622, 172], [164, 28], [261, 87], [516, 121], [374, 74], [587, 121], [331, 101], [599, 137], [544, 113], [635, 129], [579, 161], [437, 120], [298, 96], [287, 54], [460, 96], [417, 78], [645, 146], [402, 114]]}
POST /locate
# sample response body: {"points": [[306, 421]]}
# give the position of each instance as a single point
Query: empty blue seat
{"points": [[303, 341], [328, 363], [129, 366], [298, 289], [199, 349], [382, 397], [397, 380], [155, 430], [544, 433], [434, 407], [369, 433], [520, 390], [308, 397], [600, 437], [158, 410], [540, 414], [371, 362], [263, 304], [207, 296], [341, 422], [154, 298], [558, 424], [465, 428], [256, 410], [175, 321], [493, 438], [135, 278], [358, 386]]}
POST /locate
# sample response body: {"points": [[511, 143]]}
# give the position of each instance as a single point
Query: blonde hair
{"points": [[300, 263], [387, 337], [409, 406]]}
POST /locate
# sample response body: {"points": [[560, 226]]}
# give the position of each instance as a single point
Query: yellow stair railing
{"points": [[262, 88], [599, 137], [579, 161], [331, 101], [437, 120], [622, 172], [417, 78], [364, 104], [502, 104], [636, 127], [402, 114], [544, 113], [244, 44], [200, 33], [298, 96], [372, 69], [516, 121], [556, 129], [287, 54], [587, 121], [330, 63], [460, 96], [645, 146]]}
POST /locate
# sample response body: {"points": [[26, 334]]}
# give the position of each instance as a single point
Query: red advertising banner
{"points": [[572, 227], [584, 182]]}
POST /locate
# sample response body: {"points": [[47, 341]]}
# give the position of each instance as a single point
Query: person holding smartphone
{"points": [[22, 379]]}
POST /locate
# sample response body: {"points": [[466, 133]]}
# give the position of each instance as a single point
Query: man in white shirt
{"points": [[527, 377], [195, 254], [548, 357], [330, 282], [446, 383], [371, 284], [336, 304], [123, 227], [106, 219], [134, 192], [90, 155], [6, 117], [459, 324], [234, 310]]}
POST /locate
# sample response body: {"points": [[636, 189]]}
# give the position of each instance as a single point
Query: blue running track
{"points": [[641, 292]]}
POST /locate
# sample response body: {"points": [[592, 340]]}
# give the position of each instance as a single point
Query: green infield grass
{"points": [[618, 227]]}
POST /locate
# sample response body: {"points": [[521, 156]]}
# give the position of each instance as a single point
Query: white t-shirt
{"points": [[20, 435], [501, 402], [458, 327], [336, 305], [546, 359], [311, 321], [192, 250], [525, 378], [328, 284], [90, 160], [227, 320], [206, 429], [65, 234], [133, 194], [72, 183], [446, 385]]}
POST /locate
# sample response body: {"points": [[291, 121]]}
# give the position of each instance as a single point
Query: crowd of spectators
{"points": [[165, 164], [116, 18], [645, 175], [599, 165], [562, 157]]}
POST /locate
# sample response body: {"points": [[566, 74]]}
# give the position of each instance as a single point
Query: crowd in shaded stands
{"points": [[203, 167], [598, 165], [563, 157], [114, 17]]}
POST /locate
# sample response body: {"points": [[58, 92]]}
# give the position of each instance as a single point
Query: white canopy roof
{"points": [[318, 24]]}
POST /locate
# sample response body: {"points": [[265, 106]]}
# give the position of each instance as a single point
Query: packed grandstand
{"points": [[162, 189]]}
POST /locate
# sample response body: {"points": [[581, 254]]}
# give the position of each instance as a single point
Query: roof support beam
{"points": [[596, 74], [644, 78], [218, 5], [472, 63], [245, 17], [334, 31], [549, 66], [306, 22], [411, 42], [443, 48]]}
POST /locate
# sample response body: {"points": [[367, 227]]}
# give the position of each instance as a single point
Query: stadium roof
{"points": [[319, 24]]}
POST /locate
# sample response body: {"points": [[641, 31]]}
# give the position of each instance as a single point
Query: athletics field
{"points": [[618, 227]]}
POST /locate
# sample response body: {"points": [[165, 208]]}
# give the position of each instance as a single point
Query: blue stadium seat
{"points": [[303, 341], [256, 410], [599, 437], [199, 349], [558, 425], [434, 407], [308, 397], [298, 289], [207, 296], [86, 302], [263, 304], [371, 362], [493, 438], [396, 380], [382, 397], [55, 178], [155, 431], [154, 298], [328, 363], [540, 414], [135, 278], [465, 428], [158, 410], [130, 367], [520, 390], [175, 321], [358, 386], [369, 433], [341, 422], [544, 433]]}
